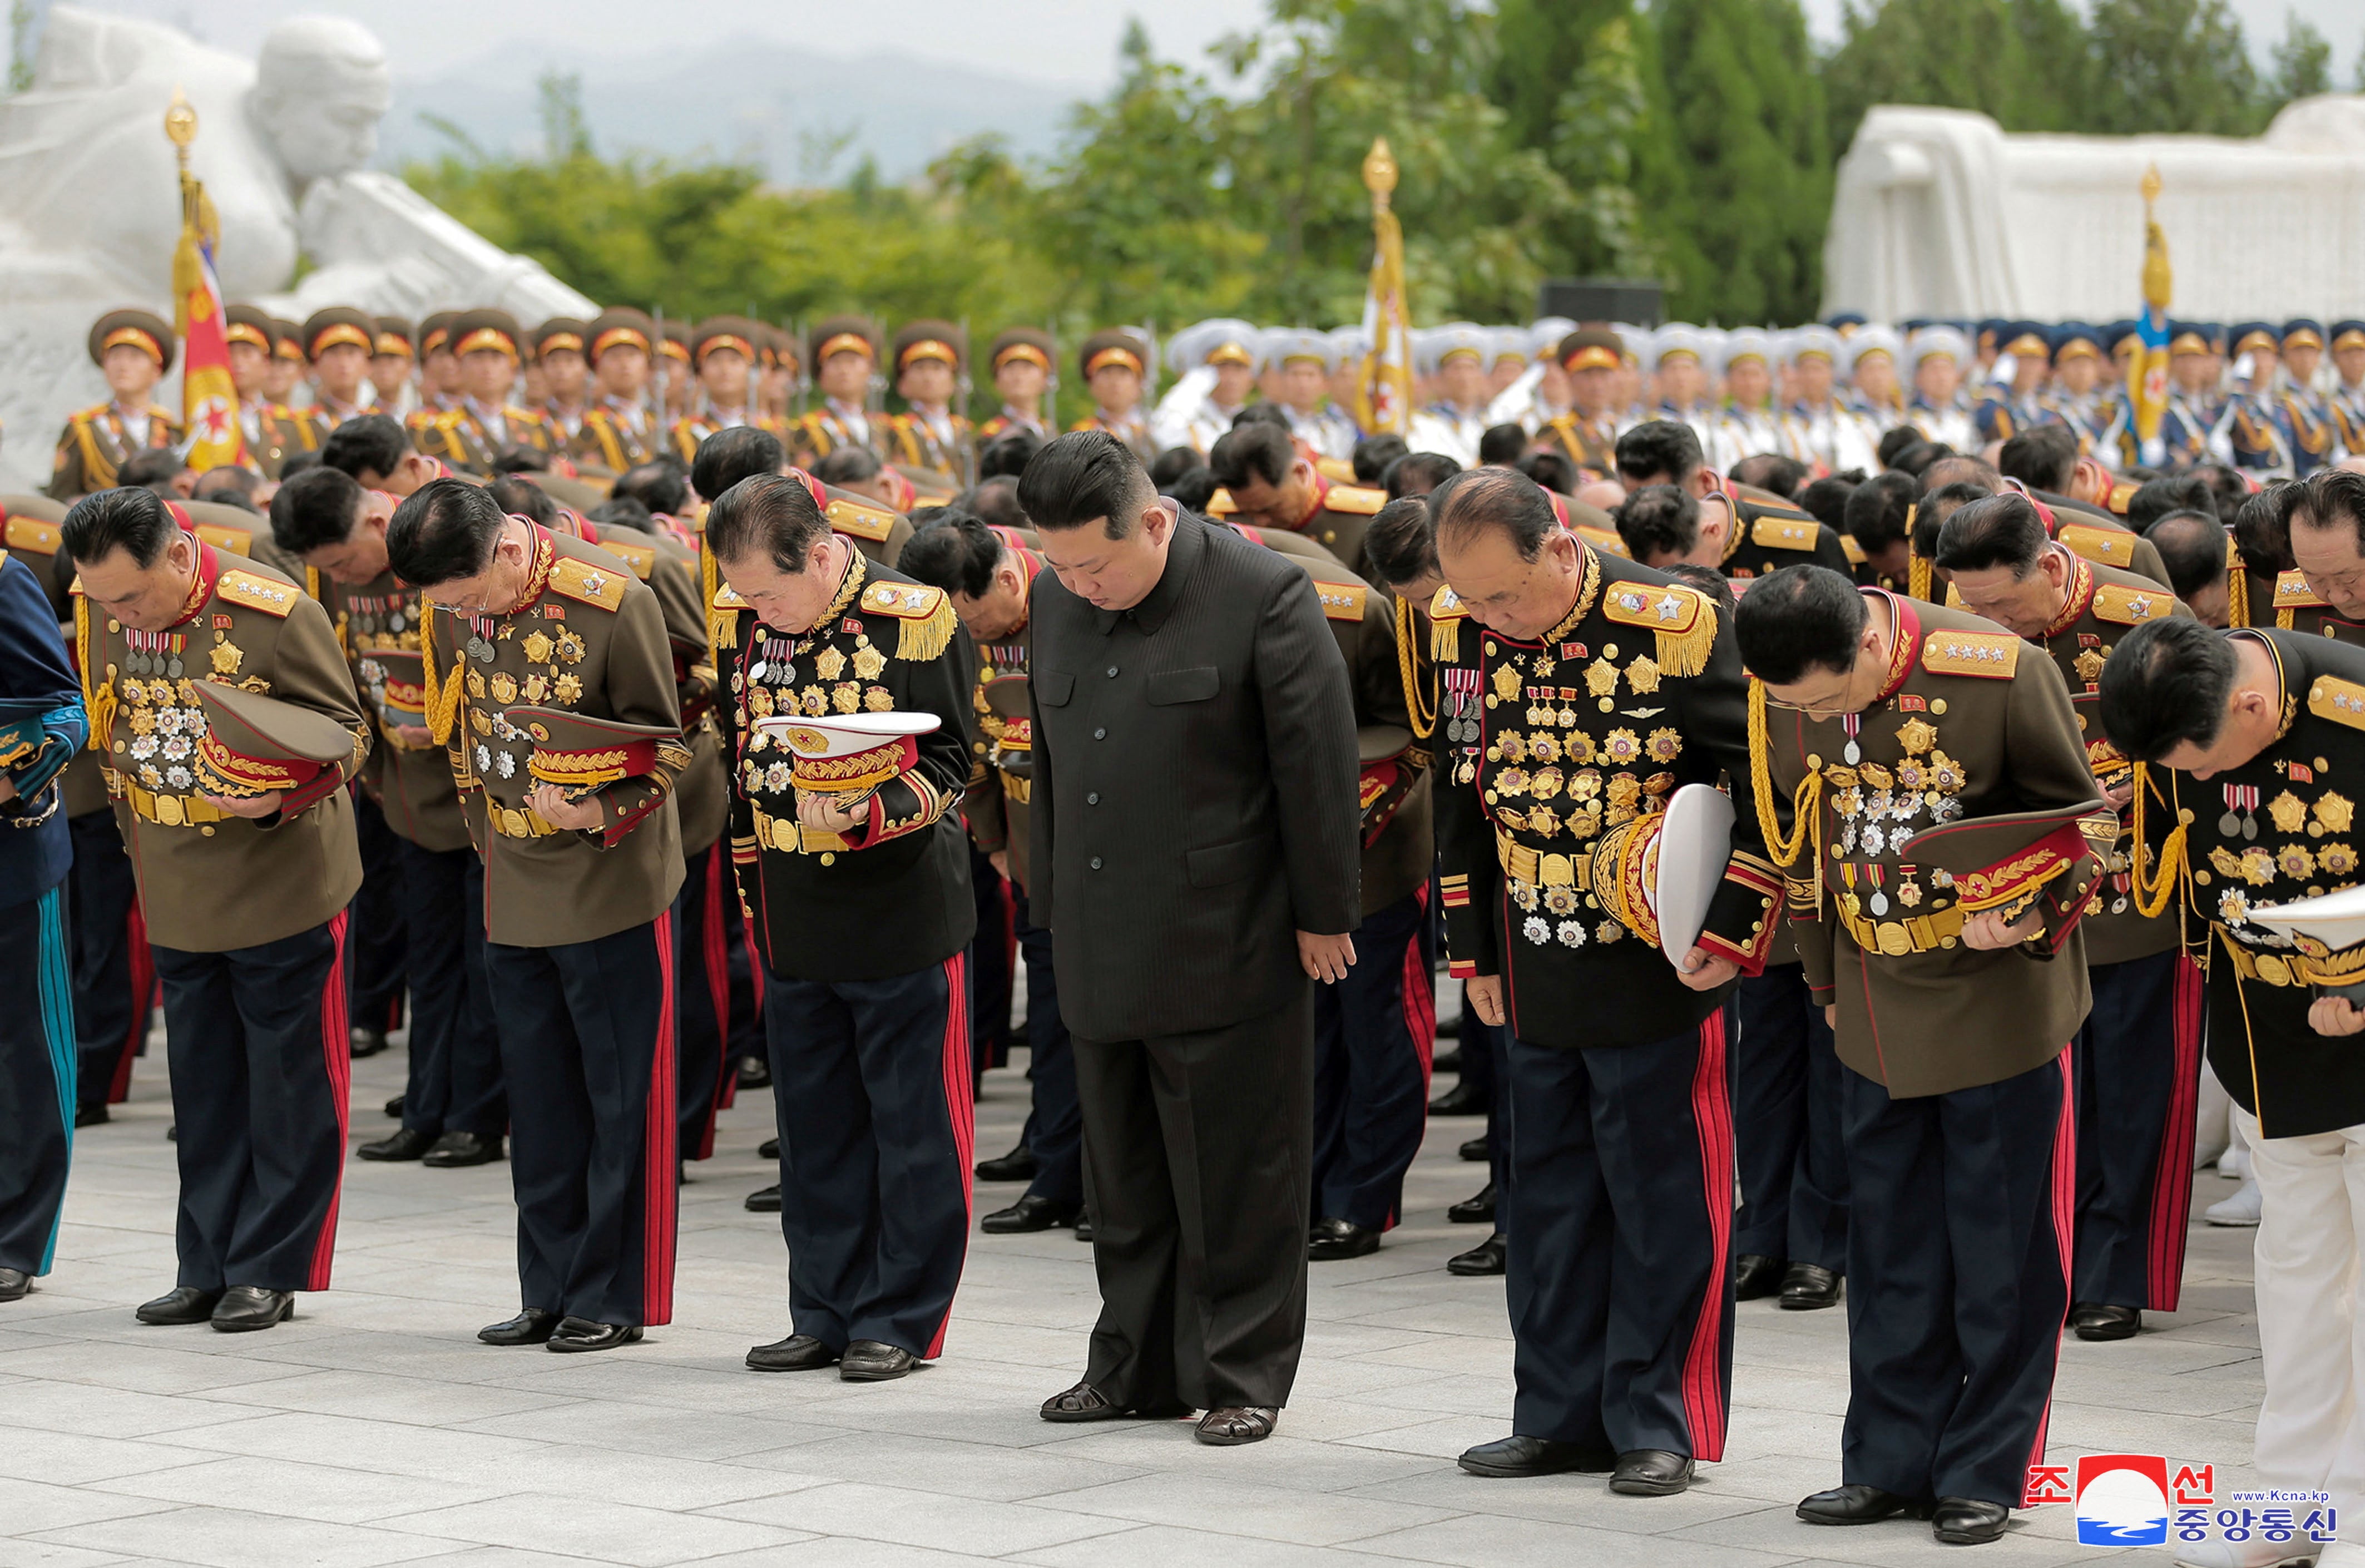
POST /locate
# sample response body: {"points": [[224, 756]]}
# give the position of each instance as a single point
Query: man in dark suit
{"points": [[1196, 845]]}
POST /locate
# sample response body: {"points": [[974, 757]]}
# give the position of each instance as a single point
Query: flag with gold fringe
{"points": [[2147, 379], [208, 394], [1384, 390]]}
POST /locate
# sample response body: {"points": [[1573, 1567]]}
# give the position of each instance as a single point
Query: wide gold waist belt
{"points": [[1014, 787], [2266, 969], [1522, 864], [171, 811], [515, 824], [1896, 938], [791, 838]]}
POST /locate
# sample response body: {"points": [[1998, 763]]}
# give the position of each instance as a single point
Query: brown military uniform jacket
{"points": [[1971, 723], [1591, 445], [1338, 518], [211, 882], [918, 444], [410, 778], [686, 435], [1399, 816], [817, 435], [2102, 539], [1134, 431], [616, 438], [586, 635], [465, 442], [96, 443], [999, 781], [2288, 604], [1769, 533], [271, 432]]}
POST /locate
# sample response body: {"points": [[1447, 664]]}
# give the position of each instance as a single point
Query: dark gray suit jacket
{"points": [[1195, 797]]}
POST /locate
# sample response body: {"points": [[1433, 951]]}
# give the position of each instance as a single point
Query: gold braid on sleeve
{"points": [[2152, 899], [1806, 806], [1424, 723]]}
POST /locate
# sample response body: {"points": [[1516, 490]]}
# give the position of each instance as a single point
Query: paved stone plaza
{"points": [[375, 1429]]}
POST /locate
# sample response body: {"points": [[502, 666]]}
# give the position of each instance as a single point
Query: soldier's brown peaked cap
{"points": [[393, 335], [734, 333], [1023, 343], [482, 332], [324, 329], [619, 327], [141, 329], [1114, 345], [562, 334], [841, 334], [249, 325], [255, 744], [931, 339], [576, 751], [435, 332], [1998, 861]]}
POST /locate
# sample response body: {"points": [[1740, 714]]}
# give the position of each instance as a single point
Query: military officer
{"points": [[375, 451], [2006, 408], [723, 350], [1452, 358], [338, 343], [439, 377], [133, 350], [1215, 362], [1275, 486], [285, 379], [2306, 415], [560, 346], [619, 430], [1938, 355], [42, 724], [1817, 426], [2137, 1059], [243, 884], [393, 360], [2347, 397], [1300, 361], [2194, 426], [1757, 531], [269, 430], [1115, 366], [1681, 380], [1875, 719], [582, 852], [844, 353], [473, 435], [2256, 440], [1747, 422], [729, 457], [1022, 362], [931, 359], [2076, 397]]}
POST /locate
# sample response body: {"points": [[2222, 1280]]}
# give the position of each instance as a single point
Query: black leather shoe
{"points": [[2092, 1320], [403, 1143], [765, 1200], [1860, 1505], [769, 1150], [1084, 1225], [1085, 1403], [173, 1133], [798, 1352], [1479, 1210], [1445, 1064], [868, 1361], [1651, 1472], [14, 1284], [1461, 1099], [1808, 1287], [1967, 1521], [574, 1334], [394, 1108], [1229, 1426], [1475, 1150], [1332, 1240], [90, 1115], [180, 1305], [754, 1073], [1028, 1214], [1755, 1275], [368, 1043], [1515, 1457], [1487, 1258], [531, 1327], [245, 1309], [1018, 1165], [456, 1149]]}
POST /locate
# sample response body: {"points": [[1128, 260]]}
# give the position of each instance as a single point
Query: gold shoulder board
{"points": [[2342, 702], [2110, 546], [1341, 601], [2292, 592], [640, 557], [257, 592], [1775, 532], [2121, 493], [1355, 499], [2125, 606], [1445, 605], [1666, 608], [1853, 551], [237, 540], [1605, 540], [1992, 656], [907, 601], [1220, 504], [41, 538], [873, 523], [727, 598], [587, 584]]}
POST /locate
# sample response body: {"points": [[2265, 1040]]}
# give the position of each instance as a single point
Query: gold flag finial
{"points": [[1380, 173], [181, 123], [2150, 187]]}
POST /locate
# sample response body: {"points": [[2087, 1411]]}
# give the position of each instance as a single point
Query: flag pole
{"points": [[2149, 394], [208, 393], [1384, 396]]}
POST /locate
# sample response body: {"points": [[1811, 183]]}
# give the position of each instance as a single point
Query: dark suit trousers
{"points": [[1492, 1044], [1372, 1036], [1786, 1106], [1198, 1155], [114, 972], [1958, 1264], [870, 1080], [262, 1073], [587, 1047], [1055, 1125], [1618, 1278], [36, 1080], [703, 998], [992, 966], [456, 1050], [2138, 1074], [379, 968]]}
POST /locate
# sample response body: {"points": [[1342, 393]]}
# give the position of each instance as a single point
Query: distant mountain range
{"points": [[806, 118]]}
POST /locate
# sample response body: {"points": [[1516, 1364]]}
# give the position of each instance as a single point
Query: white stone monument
{"points": [[1939, 213], [90, 203]]}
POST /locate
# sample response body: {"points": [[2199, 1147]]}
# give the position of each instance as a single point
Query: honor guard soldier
{"points": [[2194, 428], [2306, 416], [2006, 408], [1757, 531], [1937, 353], [338, 343], [619, 430], [930, 360], [2257, 442], [2076, 397], [1747, 422], [1216, 362], [1817, 426], [723, 350], [1452, 358], [1020, 362], [1677, 352], [729, 457], [394, 361], [847, 721], [286, 373], [133, 350], [2137, 1059], [2348, 397], [1924, 786], [1874, 396], [551, 680], [559, 348], [1274, 485], [677, 381], [269, 430], [439, 374], [1620, 1102], [453, 1110], [844, 353], [1115, 366], [42, 724], [485, 423], [242, 838], [1300, 359]]}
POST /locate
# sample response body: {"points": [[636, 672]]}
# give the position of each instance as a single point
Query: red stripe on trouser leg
{"points": [[2172, 1185], [1420, 1002], [714, 948], [143, 1001], [659, 1173], [1704, 1394], [2065, 1219], [959, 1106], [337, 1056]]}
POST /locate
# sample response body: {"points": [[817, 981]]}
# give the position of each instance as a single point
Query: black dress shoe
{"points": [[1860, 1505], [1651, 1472], [180, 1304], [245, 1309], [868, 1361], [1475, 1149], [1755, 1275], [1479, 1210], [1515, 1457], [2093, 1320], [1229, 1426], [574, 1334], [1445, 1064], [754, 1073], [765, 1200], [1808, 1287], [403, 1143], [1085, 1403], [1028, 1214], [368, 1043], [1084, 1225], [456, 1149], [90, 1115], [531, 1327], [1487, 1258], [1461, 1099], [1018, 1165], [769, 1150], [14, 1284], [798, 1352], [1967, 1521], [1332, 1240], [394, 1108]]}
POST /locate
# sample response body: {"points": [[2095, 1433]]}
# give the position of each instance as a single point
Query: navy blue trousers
{"points": [[262, 1074], [706, 1003], [1055, 1122], [456, 1050], [2139, 1061], [1373, 1033], [586, 1047], [992, 969], [37, 1079], [114, 971], [1959, 1266], [1785, 1119], [871, 1080], [1620, 1279], [378, 971], [1491, 1043]]}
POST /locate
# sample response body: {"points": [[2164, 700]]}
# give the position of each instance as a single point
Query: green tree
{"points": [[2170, 65], [1569, 77], [2303, 66], [2022, 62]]}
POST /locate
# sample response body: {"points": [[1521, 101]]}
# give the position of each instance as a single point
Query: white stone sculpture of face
{"points": [[319, 90]]}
